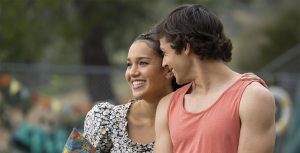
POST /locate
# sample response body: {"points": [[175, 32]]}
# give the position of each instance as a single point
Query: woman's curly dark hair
{"points": [[150, 39]]}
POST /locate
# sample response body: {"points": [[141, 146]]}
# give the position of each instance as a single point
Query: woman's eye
{"points": [[128, 64], [143, 63]]}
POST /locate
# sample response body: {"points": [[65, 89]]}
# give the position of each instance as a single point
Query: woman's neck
{"points": [[145, 109], [141, 118]]}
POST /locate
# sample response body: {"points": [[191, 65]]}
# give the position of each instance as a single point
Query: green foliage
{"points": [[282, 35], [30, 29], [15, 22], [266, 34]]}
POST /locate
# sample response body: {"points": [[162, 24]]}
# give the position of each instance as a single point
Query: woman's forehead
{"points": [[141, 49]]}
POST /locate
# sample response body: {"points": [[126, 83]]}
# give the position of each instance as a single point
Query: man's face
{"points": [[175, 62]]}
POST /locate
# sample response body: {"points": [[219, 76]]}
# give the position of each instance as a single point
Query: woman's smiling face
{"points": [[145, 74]]}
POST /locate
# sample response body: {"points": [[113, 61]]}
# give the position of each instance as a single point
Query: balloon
{"points": [[14, 88], [56, 105], [5, 80]]}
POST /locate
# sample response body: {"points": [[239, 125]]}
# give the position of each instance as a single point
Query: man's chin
{"points": [[180, 82]]}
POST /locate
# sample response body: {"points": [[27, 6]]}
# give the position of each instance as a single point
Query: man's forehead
{"points": [[162, 41]]}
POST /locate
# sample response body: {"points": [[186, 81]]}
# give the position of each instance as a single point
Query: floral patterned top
{"points": [[105, 126]]}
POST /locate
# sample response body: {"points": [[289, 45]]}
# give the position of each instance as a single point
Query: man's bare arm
{"points": [[257, 113], [163, 143]]}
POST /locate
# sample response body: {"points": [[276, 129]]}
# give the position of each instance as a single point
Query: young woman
{"points": [[130, 127]]}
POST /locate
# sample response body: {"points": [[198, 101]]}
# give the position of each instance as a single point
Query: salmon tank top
{"points": [[216, 129]]}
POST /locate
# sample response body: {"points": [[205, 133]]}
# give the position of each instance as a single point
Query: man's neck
{"points": [[210, 75]]}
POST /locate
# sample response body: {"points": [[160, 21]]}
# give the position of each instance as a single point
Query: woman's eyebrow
{"points": [[140, 58]]}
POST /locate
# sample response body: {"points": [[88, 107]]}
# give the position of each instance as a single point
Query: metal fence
{"points": [[41, 103]]}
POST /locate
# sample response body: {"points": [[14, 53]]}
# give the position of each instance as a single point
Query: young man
{"points": [[215, 112]]}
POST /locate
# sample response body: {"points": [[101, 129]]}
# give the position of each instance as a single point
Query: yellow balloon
{"points": [[56, 105], [14, 87]]}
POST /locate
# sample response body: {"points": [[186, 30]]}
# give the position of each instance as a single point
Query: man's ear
{"points": [[168, 73], [187, 49]]}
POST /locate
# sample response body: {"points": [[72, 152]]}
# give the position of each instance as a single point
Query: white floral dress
{"points": [[105, 126]]}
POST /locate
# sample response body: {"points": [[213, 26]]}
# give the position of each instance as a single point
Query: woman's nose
{"points": [[134, 71]]}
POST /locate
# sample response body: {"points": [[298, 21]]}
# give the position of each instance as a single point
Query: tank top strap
{"points": [[179, 93], [239, 88]]}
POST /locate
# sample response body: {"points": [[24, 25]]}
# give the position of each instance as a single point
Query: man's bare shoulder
{"points": [[165, 101], [256, 91], [257, 99], [257, 114]]}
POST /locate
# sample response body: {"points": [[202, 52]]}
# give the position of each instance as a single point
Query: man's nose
{"points": [[164, 64]]}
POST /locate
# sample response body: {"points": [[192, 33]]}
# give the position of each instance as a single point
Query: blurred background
{"points": [[59, 58]]}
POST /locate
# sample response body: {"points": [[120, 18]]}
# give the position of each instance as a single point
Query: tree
{"points": [[99, 29], [267, 35], [103, 19]]}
